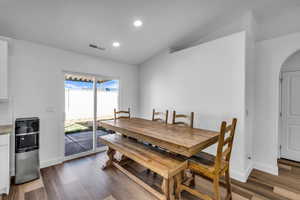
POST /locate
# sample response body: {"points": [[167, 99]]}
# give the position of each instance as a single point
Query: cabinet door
{"points": [[3, 69], [4, 169]]}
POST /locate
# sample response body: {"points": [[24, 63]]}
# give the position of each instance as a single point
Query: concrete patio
{"points": [[79, 142]]}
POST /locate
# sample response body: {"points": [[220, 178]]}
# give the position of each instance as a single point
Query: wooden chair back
{"points": [[225, 144], [121, 114], [160, 116], [182, 116], [214, 172]]}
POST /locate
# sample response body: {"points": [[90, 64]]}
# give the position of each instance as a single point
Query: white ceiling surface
{"points": [[74, 24], [279, 20]]}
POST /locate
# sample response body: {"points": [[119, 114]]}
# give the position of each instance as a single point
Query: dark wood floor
{"points": [[83, 179]]}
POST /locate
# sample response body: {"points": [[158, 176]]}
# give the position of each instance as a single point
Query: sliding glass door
{"points": [[88, 100], [107, 100]]}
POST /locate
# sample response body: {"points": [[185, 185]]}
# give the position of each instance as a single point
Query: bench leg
{"points": [[110, 153], [124, 160]]}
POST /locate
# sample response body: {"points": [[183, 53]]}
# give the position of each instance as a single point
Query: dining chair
{"points": [[160, 116], [212, 170], [124, 114], [190, 118]]}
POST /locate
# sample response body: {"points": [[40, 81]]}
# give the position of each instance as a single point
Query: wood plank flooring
{"points": [[83, 179]]}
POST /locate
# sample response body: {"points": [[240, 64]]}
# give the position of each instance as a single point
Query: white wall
{"points": [[208, 79], [37, 89], [224, 27], [270, 54]]}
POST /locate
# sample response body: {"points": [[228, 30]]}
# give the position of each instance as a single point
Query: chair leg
{"points": [[178, 192], [217, 188], [228, 185], [192, 184], [179, 195]]}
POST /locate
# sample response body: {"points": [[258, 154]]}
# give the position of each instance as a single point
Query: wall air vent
{"points": [[97, 47]]}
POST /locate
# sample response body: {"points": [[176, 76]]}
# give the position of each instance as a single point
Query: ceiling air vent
{"points": [[97, 47]]}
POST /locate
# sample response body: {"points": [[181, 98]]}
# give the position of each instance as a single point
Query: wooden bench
{"points": [[158, 161]]}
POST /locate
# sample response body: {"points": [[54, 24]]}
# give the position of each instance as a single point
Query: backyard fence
{"points": [[79, 104]]}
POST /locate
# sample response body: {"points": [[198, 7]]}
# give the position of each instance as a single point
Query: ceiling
{"points": [[74, 24]]}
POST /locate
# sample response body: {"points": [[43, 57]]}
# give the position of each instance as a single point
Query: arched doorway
{"points": [[289, 137]]}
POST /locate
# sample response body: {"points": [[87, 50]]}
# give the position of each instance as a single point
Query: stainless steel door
{"points": [[27, 166]]}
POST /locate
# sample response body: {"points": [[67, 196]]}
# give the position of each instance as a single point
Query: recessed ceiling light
{"points": [[116, 44], [138, 23]]}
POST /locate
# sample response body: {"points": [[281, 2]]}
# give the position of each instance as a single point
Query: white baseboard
{"points": [[48, 163], [237, 175], [241, 176], [249, 170], [266, 168]]}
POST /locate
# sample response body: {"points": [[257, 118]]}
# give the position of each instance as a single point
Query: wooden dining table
{"points": [[185, 141], [182, 140]]}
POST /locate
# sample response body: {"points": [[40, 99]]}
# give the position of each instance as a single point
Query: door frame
{"points": [[96, 78], [280, 124]]}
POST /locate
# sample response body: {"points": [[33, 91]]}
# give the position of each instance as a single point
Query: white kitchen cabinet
{"points": [[3, 70], [4, 164]]}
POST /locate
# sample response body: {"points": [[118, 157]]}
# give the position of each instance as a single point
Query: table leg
{"points": [[110, 153], [165, 188], [171, 189], [179, 178]]}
